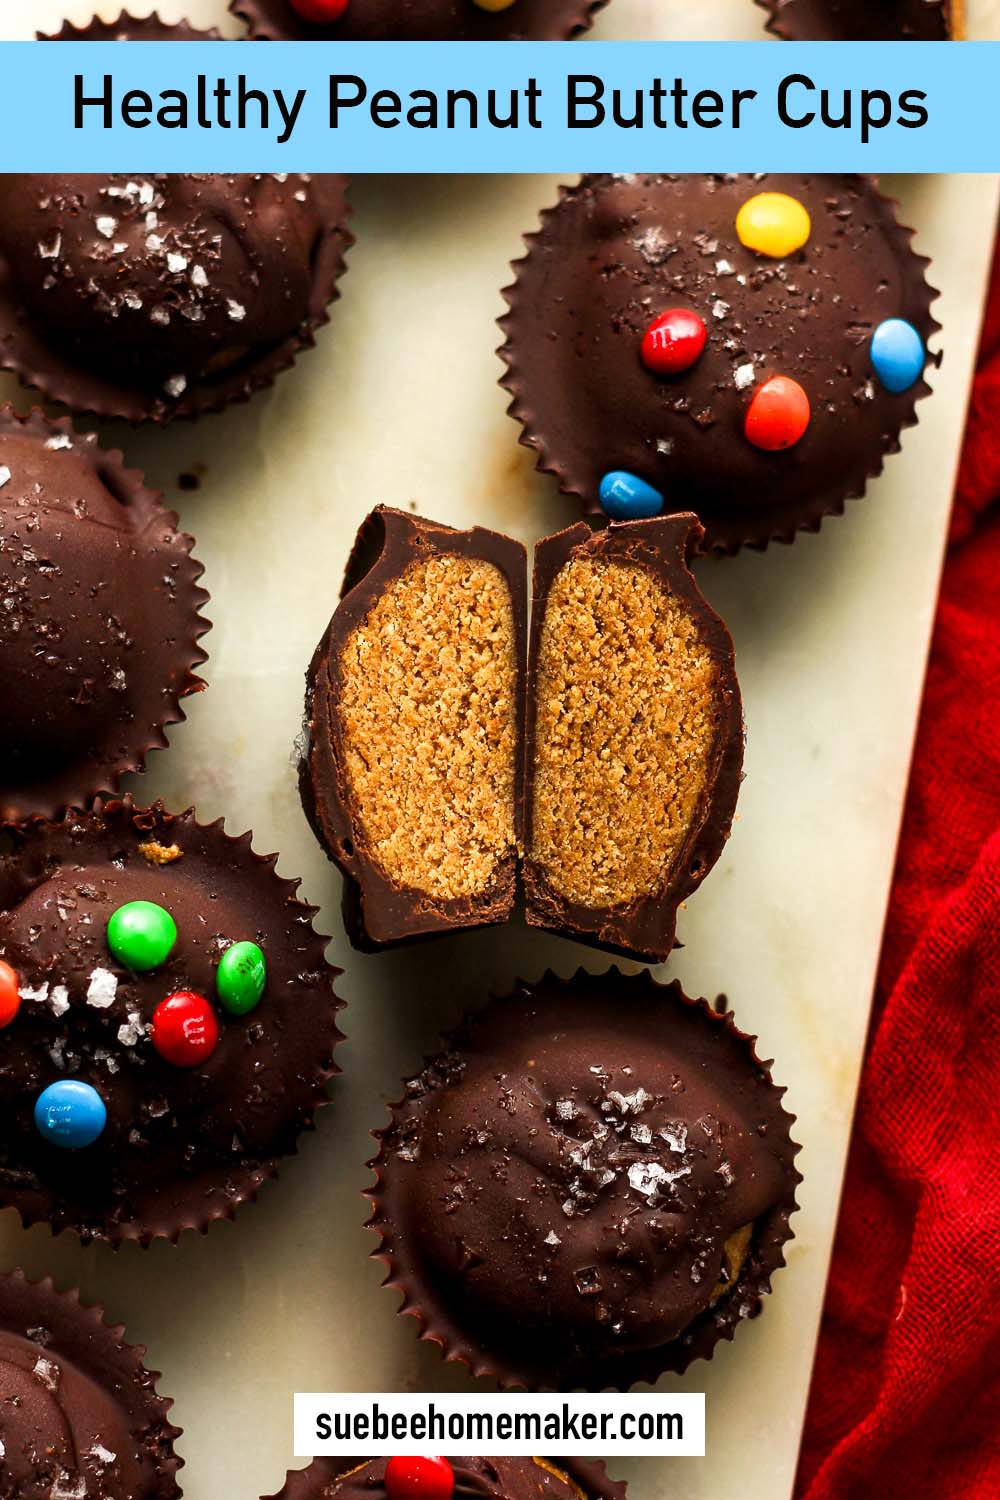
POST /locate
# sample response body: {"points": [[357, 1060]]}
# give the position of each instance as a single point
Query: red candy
{"points": [[321, 12], [10, 994], [673, 342], [778, 415], [419, 1479], [185, 1031]]}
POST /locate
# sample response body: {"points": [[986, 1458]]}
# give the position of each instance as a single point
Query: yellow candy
{"points": [[773, 224], [494, 5]]}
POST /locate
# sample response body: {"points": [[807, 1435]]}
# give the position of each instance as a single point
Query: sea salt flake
{"points": [[723, 268], [720, 309], [642, 1134], [567, 1109], [4, 475], [159, 314], [61, 440], [102, 989], [66, 1487], [59, 1000], [675, 1137], [101, 1455], [106, 226], [132, 1030], [176, 262], [52, 249], [175, 386], [743, 377], [198, 276], [237, 312], [38, 992], [553, 1239], [46, 1373], [645, 1177]]}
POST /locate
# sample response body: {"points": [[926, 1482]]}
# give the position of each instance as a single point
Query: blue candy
{"points": [[626, 497], [898, 355], [70, 1114]]}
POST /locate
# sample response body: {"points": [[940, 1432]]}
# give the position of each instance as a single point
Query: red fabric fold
{"points": [[905, 1398]]}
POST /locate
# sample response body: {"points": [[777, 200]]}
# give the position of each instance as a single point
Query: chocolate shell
{"points": [[100, 622], [475, 1479], [423, 21], [863, 20], [590, 1185], [434, 764], [182, 1145], [425, 651], [634, 730], [79, 1412], [167, 295], [617, 251]]}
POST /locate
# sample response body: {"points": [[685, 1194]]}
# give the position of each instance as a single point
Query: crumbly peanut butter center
{"points": [[428, 720], [626, 724]]}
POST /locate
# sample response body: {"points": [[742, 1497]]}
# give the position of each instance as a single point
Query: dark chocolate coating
{"points": [[167, 295], [555, 1189], [130, 29], [423, 21], [77, 1404], [182, 1146], [645, 929], [860, 20], [100, 618], [377, 912], [617, 251], [475, 1479]]}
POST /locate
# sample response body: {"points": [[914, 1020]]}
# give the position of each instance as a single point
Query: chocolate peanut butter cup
{"points": [[589, 1186], [131, 29], [100, 619], [865, 20], [79, 1412], [164, 295], [167, 1022], [437, 763], [749, 348], [416, 20], [470, 1478]]}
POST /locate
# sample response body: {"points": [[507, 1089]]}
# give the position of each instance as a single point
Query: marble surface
{"points": [[831, 639]]}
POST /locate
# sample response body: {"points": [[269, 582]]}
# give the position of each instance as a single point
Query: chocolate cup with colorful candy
{"points": [[169, 1022], [601, 761], [748, 348], [589, 1186], [416, 20], [150, 297], [865, 20], [468, 1478], [101, 621], [79, 1412]]}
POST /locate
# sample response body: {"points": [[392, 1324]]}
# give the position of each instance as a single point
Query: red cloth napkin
{"points": [[905, 1399]]}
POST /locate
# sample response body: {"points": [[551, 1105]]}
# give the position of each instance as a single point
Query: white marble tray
{"points": [[831, 639]]}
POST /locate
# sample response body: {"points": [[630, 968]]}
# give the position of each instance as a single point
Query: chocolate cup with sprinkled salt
{"points": [[864, 20], [131, 29], [99, 636], [422, 21], [166, 295], [182, 1145], [589, 1186], [475, 1479], [79, 1411], [616, 252]]}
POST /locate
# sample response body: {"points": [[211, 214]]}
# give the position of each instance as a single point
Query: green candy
{"points": [[141, 935], [240, 978]]}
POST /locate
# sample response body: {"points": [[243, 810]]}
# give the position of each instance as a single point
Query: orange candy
{"points": [[778, 415], [10, 994]]}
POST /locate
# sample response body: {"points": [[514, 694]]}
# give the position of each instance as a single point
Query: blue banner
{"points": [[499, 107]]}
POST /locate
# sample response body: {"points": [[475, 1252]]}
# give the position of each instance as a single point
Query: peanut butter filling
{"points": [[427, 709], [625, 730]]}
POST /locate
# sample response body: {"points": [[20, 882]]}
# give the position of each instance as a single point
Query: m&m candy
{"points": [[70, 1114], [141, 935], [898, 355], [674, 341], [321, 12], [185, 1031], [778, 415], [773, 224], [626, 497], [419, 1479], [10, 994], [241, 977], [494, 5]]}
